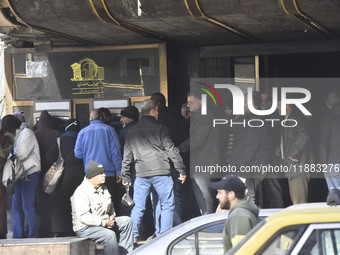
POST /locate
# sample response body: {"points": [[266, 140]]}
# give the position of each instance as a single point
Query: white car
{"points": [[201, 235]]}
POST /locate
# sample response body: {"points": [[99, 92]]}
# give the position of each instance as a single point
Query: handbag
{"points": [[13, 168], [127, 201], [54, 173]]}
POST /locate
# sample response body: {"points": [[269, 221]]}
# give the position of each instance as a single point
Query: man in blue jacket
{"points": [[99, 142]]}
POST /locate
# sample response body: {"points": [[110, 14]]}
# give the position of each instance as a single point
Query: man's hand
{"points": [[118, 179], [110, 222], [293, 159], [182, 178], [278, 151], [127, 184]]}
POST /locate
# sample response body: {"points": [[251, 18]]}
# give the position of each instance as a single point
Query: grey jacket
{"points": [[90, 206]]}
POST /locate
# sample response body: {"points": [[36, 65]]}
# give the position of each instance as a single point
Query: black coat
{"points": [[149, 146], [207, 144], [329, 149], [71, 178], [251, 145], [297, 143]]}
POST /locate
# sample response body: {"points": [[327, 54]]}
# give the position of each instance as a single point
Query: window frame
{"points": [[193, 231], [310, 229]]}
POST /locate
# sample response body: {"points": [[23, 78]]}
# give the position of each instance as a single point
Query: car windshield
{"points": [[250, 234]]}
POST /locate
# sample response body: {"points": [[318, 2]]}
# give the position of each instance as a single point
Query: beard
{"points": [[225, 204]]}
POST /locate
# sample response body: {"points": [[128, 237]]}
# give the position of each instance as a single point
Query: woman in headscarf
{"points": [[71, 178], [26, 149], [46, 133]]}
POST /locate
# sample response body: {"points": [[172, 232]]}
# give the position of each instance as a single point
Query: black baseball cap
{"points": [[231, 183]]}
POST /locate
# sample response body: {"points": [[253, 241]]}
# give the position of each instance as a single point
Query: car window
{"points": [[322, 242], [204, 241], [282, 242]]}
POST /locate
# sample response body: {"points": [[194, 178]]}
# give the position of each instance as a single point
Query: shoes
{"points": [[333, 197], [150, 237]]}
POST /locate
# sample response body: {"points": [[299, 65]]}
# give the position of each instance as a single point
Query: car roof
{"points": [[306, 213]]}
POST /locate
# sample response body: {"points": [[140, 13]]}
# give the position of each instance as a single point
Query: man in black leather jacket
{"points": [[149, 146]]}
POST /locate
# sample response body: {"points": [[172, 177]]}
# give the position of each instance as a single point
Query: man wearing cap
{"points": [[243, 213], [130, 117], [94, 216]]}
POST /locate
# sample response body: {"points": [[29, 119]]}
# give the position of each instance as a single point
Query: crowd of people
{"points": [[151, 155]]}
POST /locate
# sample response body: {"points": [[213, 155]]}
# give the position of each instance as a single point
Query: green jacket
{"points": [[243, 216]]}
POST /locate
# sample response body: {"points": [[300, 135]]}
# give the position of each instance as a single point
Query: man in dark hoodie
{"points": [[243, 213]]}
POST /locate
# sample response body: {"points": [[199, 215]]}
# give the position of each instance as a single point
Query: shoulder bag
{"points": [[54, 173]]}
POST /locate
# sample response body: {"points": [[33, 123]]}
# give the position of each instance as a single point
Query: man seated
{"points": [[94, 216]]}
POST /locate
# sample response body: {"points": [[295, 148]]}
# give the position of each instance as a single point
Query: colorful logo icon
{"points": [[209, 93]]}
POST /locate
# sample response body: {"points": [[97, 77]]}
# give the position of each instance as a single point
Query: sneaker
{"points": [[150, 237]]}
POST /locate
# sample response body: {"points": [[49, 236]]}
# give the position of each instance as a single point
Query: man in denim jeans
{"points": [[94, 216], [149, 146]]}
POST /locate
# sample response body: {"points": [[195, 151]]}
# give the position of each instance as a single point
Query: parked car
{"points": [[201, 235], [302, 229]]}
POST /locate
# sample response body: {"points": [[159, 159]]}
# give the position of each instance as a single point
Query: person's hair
{"points": [[195, 92], [104, 111], [10, 123], [332, 98], [147, 106], [239, 195], [96, 115], [159, 99], [257, 100]]}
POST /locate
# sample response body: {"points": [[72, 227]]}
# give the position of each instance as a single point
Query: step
{"points": [[51, 246]]}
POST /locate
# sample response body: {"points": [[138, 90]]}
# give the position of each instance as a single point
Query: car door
{"points": [[205, 240], [319, 239]]}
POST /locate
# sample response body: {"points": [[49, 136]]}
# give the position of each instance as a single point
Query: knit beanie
{"points": [[93, 169], [130, 112]]}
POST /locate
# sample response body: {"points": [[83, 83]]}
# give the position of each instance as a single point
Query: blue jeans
{"points": [[24, 205], [178, 203], [122, 231], [163, 185], [332, 177]]}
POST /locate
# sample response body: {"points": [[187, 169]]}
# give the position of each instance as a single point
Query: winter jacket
{"points": [[26, 148], [207, 144], [149, 146], [6, 145], [91, 206], [243, 216], [71, 178], [329, 150], [46, 135], [296, 143], [251, 145], [99, 142], [122, 135]]}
